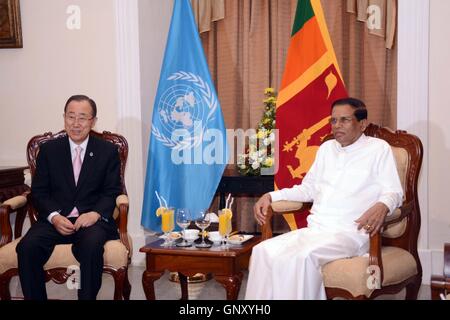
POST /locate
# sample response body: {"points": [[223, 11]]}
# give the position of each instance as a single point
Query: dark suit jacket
{"points": [[53, 186]]}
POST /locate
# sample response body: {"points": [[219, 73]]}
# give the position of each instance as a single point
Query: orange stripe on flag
{"points": [[305, 79], [318, 11], [305, 49]]}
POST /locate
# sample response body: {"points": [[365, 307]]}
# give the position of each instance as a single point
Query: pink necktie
{"points": [[76, 173], [77, 163]]}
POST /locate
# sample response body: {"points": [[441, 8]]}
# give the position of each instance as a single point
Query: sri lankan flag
{"points": [[311, 82]]}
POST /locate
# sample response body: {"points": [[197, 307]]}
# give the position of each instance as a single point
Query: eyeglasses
{"points": [[71, 118], [343, 120]]}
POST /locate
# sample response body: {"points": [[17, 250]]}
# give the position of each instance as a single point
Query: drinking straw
{"points": [[165, 202], [231, 202], [159, 199], [228, 199]]}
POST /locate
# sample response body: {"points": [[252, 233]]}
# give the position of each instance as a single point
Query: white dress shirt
{"points": [[344, 182]]}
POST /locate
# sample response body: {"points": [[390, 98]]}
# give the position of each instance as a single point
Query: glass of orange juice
{"points": [[167, 224], [225, 216]]}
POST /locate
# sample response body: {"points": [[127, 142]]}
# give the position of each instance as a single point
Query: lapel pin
{"points": [[91, 154]]}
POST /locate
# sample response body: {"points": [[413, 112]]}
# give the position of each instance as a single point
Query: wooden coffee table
{"points": [[225, 265]]}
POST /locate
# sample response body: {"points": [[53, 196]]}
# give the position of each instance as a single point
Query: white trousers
{"points": [[289, 266]]}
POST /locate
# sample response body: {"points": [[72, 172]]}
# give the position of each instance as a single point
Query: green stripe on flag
{"points": [[303, 13]]}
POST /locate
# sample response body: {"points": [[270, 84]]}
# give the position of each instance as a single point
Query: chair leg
{"points": [[119, 280], [412, 289], [4, 288], [126, 287]]}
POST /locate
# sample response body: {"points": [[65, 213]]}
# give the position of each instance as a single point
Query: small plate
{"points": [[239, 238], [172, 235]]}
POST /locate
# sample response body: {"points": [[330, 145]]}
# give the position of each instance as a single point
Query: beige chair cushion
{"points": [[115, 256], [395, 230], [16, 202], [286, 206], [351, 274], [121, 199], [402, 161]]}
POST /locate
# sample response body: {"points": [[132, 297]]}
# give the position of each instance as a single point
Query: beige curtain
{"points": [[388, 15], [206, 12], [369, 69], [246, 53]]}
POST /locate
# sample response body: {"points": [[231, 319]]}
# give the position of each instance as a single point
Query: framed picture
{"points": [[10, 27]]}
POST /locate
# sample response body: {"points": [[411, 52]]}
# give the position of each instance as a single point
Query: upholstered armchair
{"points": [[392, 262], [117, 253], [440, 284]]}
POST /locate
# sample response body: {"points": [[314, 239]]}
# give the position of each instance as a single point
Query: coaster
{"points": [[204, 245], [183, 244]]}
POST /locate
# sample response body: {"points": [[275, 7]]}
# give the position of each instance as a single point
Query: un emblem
{"points": [[184, 111]]}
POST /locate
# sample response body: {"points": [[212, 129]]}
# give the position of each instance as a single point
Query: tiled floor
{"points": [[167, 290]]}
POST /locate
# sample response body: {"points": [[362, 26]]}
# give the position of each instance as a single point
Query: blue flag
{"points": [[188, 149]]}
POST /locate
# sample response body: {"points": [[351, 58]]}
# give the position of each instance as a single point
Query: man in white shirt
{"points": [[353, 184]]}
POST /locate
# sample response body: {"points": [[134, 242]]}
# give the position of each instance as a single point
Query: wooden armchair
{"points": [[440, 284], [117, 252], [393, 252]]}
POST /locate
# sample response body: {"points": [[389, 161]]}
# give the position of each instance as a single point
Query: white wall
{"points": [[423, 110], [141, 29], [154, 21], [54, 64], [439, 128]]}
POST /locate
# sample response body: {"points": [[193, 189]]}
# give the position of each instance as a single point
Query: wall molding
{"points": [[129, 121], [413, 90]]}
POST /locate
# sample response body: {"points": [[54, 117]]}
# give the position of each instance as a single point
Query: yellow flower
{"points": [[269, 91], [261, 134], [268, 162], [269, 100]]}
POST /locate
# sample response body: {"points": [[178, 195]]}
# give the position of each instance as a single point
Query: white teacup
{"points": [[190, 235], [215, 237]]}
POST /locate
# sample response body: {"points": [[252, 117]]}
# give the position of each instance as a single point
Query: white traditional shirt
{"points": [[344, 182]]}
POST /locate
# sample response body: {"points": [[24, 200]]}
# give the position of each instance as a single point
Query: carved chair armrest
{"points": [[404, 211], [375, 253], [32, 212], [277, 208], [376, 240], [15, 204], [286, 206], [122, 203]]}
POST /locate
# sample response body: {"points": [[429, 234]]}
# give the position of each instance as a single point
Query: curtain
{"points": [[369, 69], [246, 53], [206, 12], [388, 12]]}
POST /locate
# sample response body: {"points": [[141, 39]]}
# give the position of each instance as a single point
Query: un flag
{"points": [[188, 148]]}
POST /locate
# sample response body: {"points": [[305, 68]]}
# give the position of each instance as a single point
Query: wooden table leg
{"points": [[148, 279], [232, 284], [184, 286]]}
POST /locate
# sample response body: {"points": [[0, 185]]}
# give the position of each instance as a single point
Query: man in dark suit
{"points": [[74, 189]]}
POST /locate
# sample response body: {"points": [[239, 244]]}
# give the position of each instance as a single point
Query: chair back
{"points": [[34, 144], [408, 153]]}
